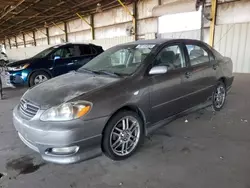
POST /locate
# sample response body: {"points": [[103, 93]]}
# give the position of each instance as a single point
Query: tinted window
{"points": [[67, 52], [197, 55], [172, 57], [64, 52], [85, 50]]}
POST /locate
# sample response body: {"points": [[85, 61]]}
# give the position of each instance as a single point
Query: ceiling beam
{"points": [[72, 9], [18, 23], [49, 17], [11, 9], [20, 11]]}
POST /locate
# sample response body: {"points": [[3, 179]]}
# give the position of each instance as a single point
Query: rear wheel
{"points": [[38, 78], [219, 96], [122, 135]]}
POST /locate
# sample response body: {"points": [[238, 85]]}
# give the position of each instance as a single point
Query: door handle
{"points": [[70, 63], [188, 74]]}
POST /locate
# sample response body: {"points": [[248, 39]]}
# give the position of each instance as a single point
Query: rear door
{"points": [[200, 77], [167, 89], [86, 54]]}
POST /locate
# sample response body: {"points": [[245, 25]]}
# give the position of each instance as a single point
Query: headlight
{"points": [[21, 67], [66, 111]]}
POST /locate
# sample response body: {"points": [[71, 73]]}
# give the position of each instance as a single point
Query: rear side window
{"points": [[97, 49], [85, 50], [197, 55]]}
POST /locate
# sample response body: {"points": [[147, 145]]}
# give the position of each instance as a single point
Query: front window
{"points": [[44, 53], [121, 60]]}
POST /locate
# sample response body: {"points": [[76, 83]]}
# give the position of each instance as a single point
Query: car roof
{"points": [[69, 43], [159, 41]]}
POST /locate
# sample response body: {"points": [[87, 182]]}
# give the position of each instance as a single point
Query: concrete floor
{"points": [[210, 150]]}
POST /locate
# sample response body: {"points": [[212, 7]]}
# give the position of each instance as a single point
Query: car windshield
{"points": [[119, 60], [45, 52]]}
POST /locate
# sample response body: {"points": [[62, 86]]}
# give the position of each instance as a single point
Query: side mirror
{"points": [[57, 57], [158, 70]]}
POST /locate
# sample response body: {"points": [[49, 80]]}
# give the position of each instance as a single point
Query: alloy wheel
{"points": [[219, 96], [39, 79], [125, 136]]}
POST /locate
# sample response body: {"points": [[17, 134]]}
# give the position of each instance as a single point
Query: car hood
{"points": [[65, 88], [19, 63]]}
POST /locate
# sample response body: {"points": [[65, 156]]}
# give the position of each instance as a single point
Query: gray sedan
{"points": [[110, 104]]}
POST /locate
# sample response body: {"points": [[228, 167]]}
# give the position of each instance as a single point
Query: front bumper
{"points": [[43, 136], [17, 77]]}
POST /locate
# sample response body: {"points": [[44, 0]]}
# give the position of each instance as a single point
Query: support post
{"points": [[92, 26], [131, 14], [34, 37], [4, 43], [202, 21], [135, 11], [212, 24], [16, 42], [47, 34], [9, 42], [24, 41], [66, 32]]}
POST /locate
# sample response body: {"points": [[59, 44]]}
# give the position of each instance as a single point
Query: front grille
{"points": [[28, 109]]}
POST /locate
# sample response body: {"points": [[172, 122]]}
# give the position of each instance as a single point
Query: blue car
{"points": [[52, 62]]}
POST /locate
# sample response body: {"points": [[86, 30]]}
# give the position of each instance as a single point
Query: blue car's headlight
{"points": [[21, 67]]}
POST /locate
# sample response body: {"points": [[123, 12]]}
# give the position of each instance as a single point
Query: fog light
{"points": [[66, 150]]}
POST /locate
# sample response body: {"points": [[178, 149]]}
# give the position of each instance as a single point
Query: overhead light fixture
{"points": [[98, 7]]}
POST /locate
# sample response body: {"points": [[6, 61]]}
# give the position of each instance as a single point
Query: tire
{"points": [[114, 140], [33, 78], [219, 98]]}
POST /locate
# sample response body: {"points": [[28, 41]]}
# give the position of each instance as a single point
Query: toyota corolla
{"points": [[110, 104]]}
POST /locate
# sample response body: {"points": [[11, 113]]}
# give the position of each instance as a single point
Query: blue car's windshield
{"points": [[45, 52], [120, 60]]}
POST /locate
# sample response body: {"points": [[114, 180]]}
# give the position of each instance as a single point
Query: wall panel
{"points": [[233, 40]]}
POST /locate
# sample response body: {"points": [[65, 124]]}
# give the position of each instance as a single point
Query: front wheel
{"points": [[122, 135], [219, 96], [38, 78]]}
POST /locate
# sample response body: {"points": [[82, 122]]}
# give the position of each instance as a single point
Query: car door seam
{"points": [[156, 106]]}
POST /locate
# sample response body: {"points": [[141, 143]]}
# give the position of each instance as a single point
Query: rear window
{"points": [[85, 50], [97, 49]]}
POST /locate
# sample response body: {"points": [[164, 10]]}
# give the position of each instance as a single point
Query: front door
{"points": [[64, 60], [167, 89], [200, 78]]}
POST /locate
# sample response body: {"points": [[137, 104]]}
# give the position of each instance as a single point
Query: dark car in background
{"points": [[52, 62], [110, 104]]}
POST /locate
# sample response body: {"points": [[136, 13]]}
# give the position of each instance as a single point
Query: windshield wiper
{"points": [[89, 71], [108, 73], [101, 72]]}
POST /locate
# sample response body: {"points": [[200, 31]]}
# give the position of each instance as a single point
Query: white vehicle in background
{"points": [[3, 57]]}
